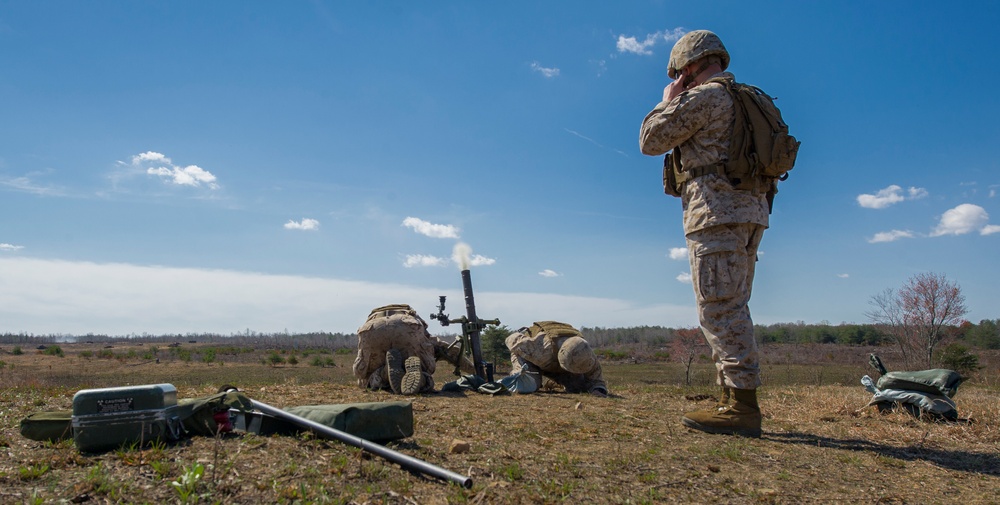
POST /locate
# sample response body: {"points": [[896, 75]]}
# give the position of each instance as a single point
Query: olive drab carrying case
{"points": [[376, 422], [105, 419]]}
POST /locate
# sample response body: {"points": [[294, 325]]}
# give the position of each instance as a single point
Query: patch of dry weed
{"points": [[820, 444]]}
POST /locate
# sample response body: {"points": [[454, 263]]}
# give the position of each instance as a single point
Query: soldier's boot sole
{"points": [[413, 379], [394, 365], [725, 421]]}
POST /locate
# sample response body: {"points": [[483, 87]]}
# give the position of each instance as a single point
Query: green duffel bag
{"points": [[376, 421], [49, 426], [938, 381]]}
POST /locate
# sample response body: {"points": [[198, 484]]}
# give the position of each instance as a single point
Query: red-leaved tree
{"points": [[918, 316]]}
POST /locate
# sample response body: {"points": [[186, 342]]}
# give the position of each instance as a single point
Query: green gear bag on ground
{"points": [[377, 422], [937, 381], [49, 426]]}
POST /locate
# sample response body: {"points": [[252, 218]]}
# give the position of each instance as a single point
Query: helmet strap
{"points": [[705, 63]]}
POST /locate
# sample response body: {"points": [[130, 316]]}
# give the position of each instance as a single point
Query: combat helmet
{"points": [[692, 47], [575, 356]]}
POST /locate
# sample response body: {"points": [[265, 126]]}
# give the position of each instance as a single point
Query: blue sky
{"points": [[223, 166]]}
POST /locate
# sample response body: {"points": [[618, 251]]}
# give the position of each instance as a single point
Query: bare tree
{"points": [[919, 315], [688, 344]]}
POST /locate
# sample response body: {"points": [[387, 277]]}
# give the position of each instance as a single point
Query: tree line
{"points": [[984, 335]]}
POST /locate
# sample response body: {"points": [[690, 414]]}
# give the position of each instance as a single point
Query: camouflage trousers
{"points": [[723, 259]]}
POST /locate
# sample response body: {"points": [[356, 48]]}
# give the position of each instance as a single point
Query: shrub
{"points": [[958, 358]]}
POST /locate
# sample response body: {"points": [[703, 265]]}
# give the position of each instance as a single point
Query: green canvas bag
{"points": [[936, 381], [376, 421], [49, 426]]}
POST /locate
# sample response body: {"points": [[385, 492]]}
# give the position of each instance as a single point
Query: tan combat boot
{"points": [[395, 370], [413, 379], [742, 418]]}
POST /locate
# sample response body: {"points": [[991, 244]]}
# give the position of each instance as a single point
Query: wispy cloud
{"points": [[890, 236], [843, 276], [963, 219], [631, 44], [684, 278], [547, 72], [430, 229], [28, 183], [10, 247], [306, 224], [422, 260], [596, 143], [548, 273], [889, 196]]}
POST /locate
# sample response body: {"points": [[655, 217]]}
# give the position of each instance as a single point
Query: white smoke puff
{"points": [[460, 254]]}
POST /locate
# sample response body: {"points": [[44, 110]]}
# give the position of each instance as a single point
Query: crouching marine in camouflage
{"points": [[397, 353], [554, 351]]}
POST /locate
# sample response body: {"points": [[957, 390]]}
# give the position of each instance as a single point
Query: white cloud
{"points": [[63, 297], [546, 72], [990, 229], [684, 278], [479, 260], [678, 253], [889, 236], [632, 45], [306, 224], [191, 175], [889, 196], [961, 220], [430, 229], [150, 156], [422, 260], [548, 273], [10, 247], [843, 276]]}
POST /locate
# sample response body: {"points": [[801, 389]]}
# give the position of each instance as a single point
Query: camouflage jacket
{"points": [[700, 121]]}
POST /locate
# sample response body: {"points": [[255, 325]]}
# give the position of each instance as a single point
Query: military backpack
{"points": [[761, 151]]}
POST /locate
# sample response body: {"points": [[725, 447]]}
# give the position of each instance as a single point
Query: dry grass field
{"points": [[820, 443]]}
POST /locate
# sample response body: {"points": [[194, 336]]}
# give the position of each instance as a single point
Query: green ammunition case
{"points": [[105, 419]]}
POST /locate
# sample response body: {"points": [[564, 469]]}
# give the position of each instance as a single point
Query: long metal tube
{"points": [[470, 312], [405, 461]]}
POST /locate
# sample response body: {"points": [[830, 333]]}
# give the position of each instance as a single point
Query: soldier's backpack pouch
{"points": [[375, 421], [937, 381]]}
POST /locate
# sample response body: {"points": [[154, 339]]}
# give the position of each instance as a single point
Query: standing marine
{"points": [[723, 225]]}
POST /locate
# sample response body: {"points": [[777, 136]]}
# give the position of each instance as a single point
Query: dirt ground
{"points": [[820, 444]]}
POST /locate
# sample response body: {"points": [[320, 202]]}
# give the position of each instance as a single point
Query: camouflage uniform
{"points": [[394, 327], [723, 226], [539, 354]]}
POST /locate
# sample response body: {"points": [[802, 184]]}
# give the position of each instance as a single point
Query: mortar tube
{"points": [[470, 312]]}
